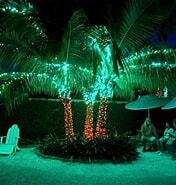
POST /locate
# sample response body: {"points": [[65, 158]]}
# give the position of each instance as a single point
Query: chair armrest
{"points": [[1, 138]]}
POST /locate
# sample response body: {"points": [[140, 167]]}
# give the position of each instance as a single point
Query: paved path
{"points": [[26, 168]]}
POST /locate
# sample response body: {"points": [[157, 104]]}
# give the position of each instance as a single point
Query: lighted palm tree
{"points": [[115, 44], [101, 55], [26, 49]]}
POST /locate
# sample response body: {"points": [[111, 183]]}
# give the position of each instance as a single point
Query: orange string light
{"points": [[68, 118], [101, 131], [88, 130]]}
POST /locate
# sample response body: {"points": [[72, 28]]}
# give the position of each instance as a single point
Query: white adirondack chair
{"points": [[10, 146]]}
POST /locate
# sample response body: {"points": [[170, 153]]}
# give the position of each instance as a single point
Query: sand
{"points": [[27, 168]]}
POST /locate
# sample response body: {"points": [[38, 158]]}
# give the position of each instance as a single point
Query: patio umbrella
{"points": [[170, 105], [146, 103]]}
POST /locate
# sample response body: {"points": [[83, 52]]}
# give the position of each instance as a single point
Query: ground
{"points": [[27, 168]]}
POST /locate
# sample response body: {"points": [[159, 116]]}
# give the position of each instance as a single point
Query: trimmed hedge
{"points": [[40, 117]]}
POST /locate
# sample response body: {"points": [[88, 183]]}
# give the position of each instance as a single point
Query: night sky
{"points": [[55, 14]]}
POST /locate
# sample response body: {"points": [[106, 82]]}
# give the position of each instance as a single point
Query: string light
{"points": [[15, 11], [66, 66], [64, 92], [31, 79], [89, 97], [101, 131], [88, 130], [68, 118], [105, 86], [147, 52], [23, 8]]}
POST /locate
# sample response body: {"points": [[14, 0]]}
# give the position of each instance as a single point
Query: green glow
{"points": [[90, 96], [64, 92], [16, 7], [146, 53], [153, 65], [14, 76], [157, 64], [37, 26], [66, 66], [22, 7], [64, 76], [104, 84]]}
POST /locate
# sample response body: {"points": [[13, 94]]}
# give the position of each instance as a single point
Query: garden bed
{"points": [[114, 149]]}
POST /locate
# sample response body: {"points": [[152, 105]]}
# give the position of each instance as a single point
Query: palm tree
{"points": [[26, 49], [116, 43], [70, 44]]}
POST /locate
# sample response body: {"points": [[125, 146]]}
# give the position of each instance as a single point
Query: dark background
{"points": [[55, 14]]}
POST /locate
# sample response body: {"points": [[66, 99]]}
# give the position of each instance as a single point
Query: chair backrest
{"points": [[13, 135]]}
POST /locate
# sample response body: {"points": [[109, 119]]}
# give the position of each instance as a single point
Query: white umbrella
{"points": [[146, 103], [170, 105]]}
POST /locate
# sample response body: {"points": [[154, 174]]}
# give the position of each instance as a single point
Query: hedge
{"points": [[40, 117]]}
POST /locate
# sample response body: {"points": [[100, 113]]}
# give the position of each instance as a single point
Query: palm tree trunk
{"points": [[68, 118], [88, 130], [101, 131]]}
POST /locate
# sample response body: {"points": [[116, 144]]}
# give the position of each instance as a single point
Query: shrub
{"points": [[114, 148]]}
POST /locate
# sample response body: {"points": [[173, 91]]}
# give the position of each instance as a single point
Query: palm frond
{"points": [[22, 7], [21, 35], [15, 51], [148, 70], [147, 77], [72, 50], [137, 25], [78, 78], [99, 41], [105, 48], [20, 14], [14, 87], [10, 94]]}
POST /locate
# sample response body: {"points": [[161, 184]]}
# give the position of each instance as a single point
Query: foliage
{"points": [[114, 148], [89, 56], [155, 67], [16, 87], [137, 21]]}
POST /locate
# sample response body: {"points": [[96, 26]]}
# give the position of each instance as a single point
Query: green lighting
{"points": [[90, 96], [104, 84], [65, 66], [16, 7], [64, 92], [147, 52]]}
